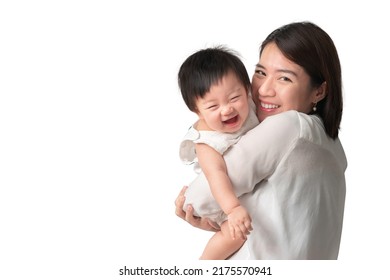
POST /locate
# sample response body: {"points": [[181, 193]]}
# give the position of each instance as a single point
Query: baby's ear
{"points": [[199, 114]]}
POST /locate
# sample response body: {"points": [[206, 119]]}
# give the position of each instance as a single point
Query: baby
{"points": [[215, 85]]}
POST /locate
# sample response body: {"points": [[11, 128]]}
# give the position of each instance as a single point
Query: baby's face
{"points": [[225, 107]]}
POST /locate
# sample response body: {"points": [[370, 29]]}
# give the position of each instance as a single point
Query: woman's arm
{"points": [[259, 152], [251, 160]]}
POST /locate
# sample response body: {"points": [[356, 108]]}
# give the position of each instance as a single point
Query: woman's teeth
{"points": [[268, 106]]}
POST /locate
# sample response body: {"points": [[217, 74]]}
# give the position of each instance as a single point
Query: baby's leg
{"points": [[221, 245]]}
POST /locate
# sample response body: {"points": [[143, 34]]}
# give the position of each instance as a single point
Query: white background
{"points": [[91, 118]]}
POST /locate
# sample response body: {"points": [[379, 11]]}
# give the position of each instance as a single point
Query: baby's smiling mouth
{"points": [[231, 120]]}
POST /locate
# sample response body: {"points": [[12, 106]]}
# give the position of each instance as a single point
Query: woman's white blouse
{"points": [[290, 177]]}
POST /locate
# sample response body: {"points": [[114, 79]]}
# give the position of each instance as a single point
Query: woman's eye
{"points": [[286, 79], [259, 72]]}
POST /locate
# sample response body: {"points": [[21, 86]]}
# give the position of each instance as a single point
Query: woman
{"points": [[289, 170]]}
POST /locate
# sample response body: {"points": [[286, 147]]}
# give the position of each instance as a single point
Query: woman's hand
{"points": [[188, 215]]}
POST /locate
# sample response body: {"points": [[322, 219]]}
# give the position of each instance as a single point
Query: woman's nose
{"points": [[266, 88]]}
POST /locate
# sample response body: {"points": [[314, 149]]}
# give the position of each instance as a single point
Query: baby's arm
{"points": [[214, 168]]}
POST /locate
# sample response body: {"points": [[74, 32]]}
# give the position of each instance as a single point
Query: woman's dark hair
{"points": [[309, 46], [206, 68]]}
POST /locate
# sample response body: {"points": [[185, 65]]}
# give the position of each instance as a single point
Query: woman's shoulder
{"points": [[289, 126], [301, 124], [291, 116], [289, 121], [273, 132]]}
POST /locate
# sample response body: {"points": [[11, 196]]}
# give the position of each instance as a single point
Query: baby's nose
{"points": [[227, 110]]}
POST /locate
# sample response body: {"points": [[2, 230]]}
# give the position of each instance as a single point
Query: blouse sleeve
{"points": [[260, 151], [251, 160]]}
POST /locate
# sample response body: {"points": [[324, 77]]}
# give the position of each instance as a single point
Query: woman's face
{"points": [[279, 85]]}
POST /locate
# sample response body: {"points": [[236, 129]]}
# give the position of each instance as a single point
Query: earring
{"points": [[315, 107]]}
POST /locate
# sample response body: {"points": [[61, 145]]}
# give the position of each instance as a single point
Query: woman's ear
{"points": [[320, 93]]}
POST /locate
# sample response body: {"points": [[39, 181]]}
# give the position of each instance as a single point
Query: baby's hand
{"points": [[240, 223]]}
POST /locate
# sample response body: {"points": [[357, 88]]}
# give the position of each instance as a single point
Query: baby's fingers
{"points": [[242, 232], [248, 226], [232, 231]]}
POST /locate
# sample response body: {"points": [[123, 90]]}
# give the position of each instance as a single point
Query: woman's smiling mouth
{"points": [[268, 106]]}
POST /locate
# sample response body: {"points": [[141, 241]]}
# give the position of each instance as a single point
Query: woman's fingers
{"points": [[183, 190], [189, 217], [188, 214], [179, 203], [213, 226], [202, 223]]}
